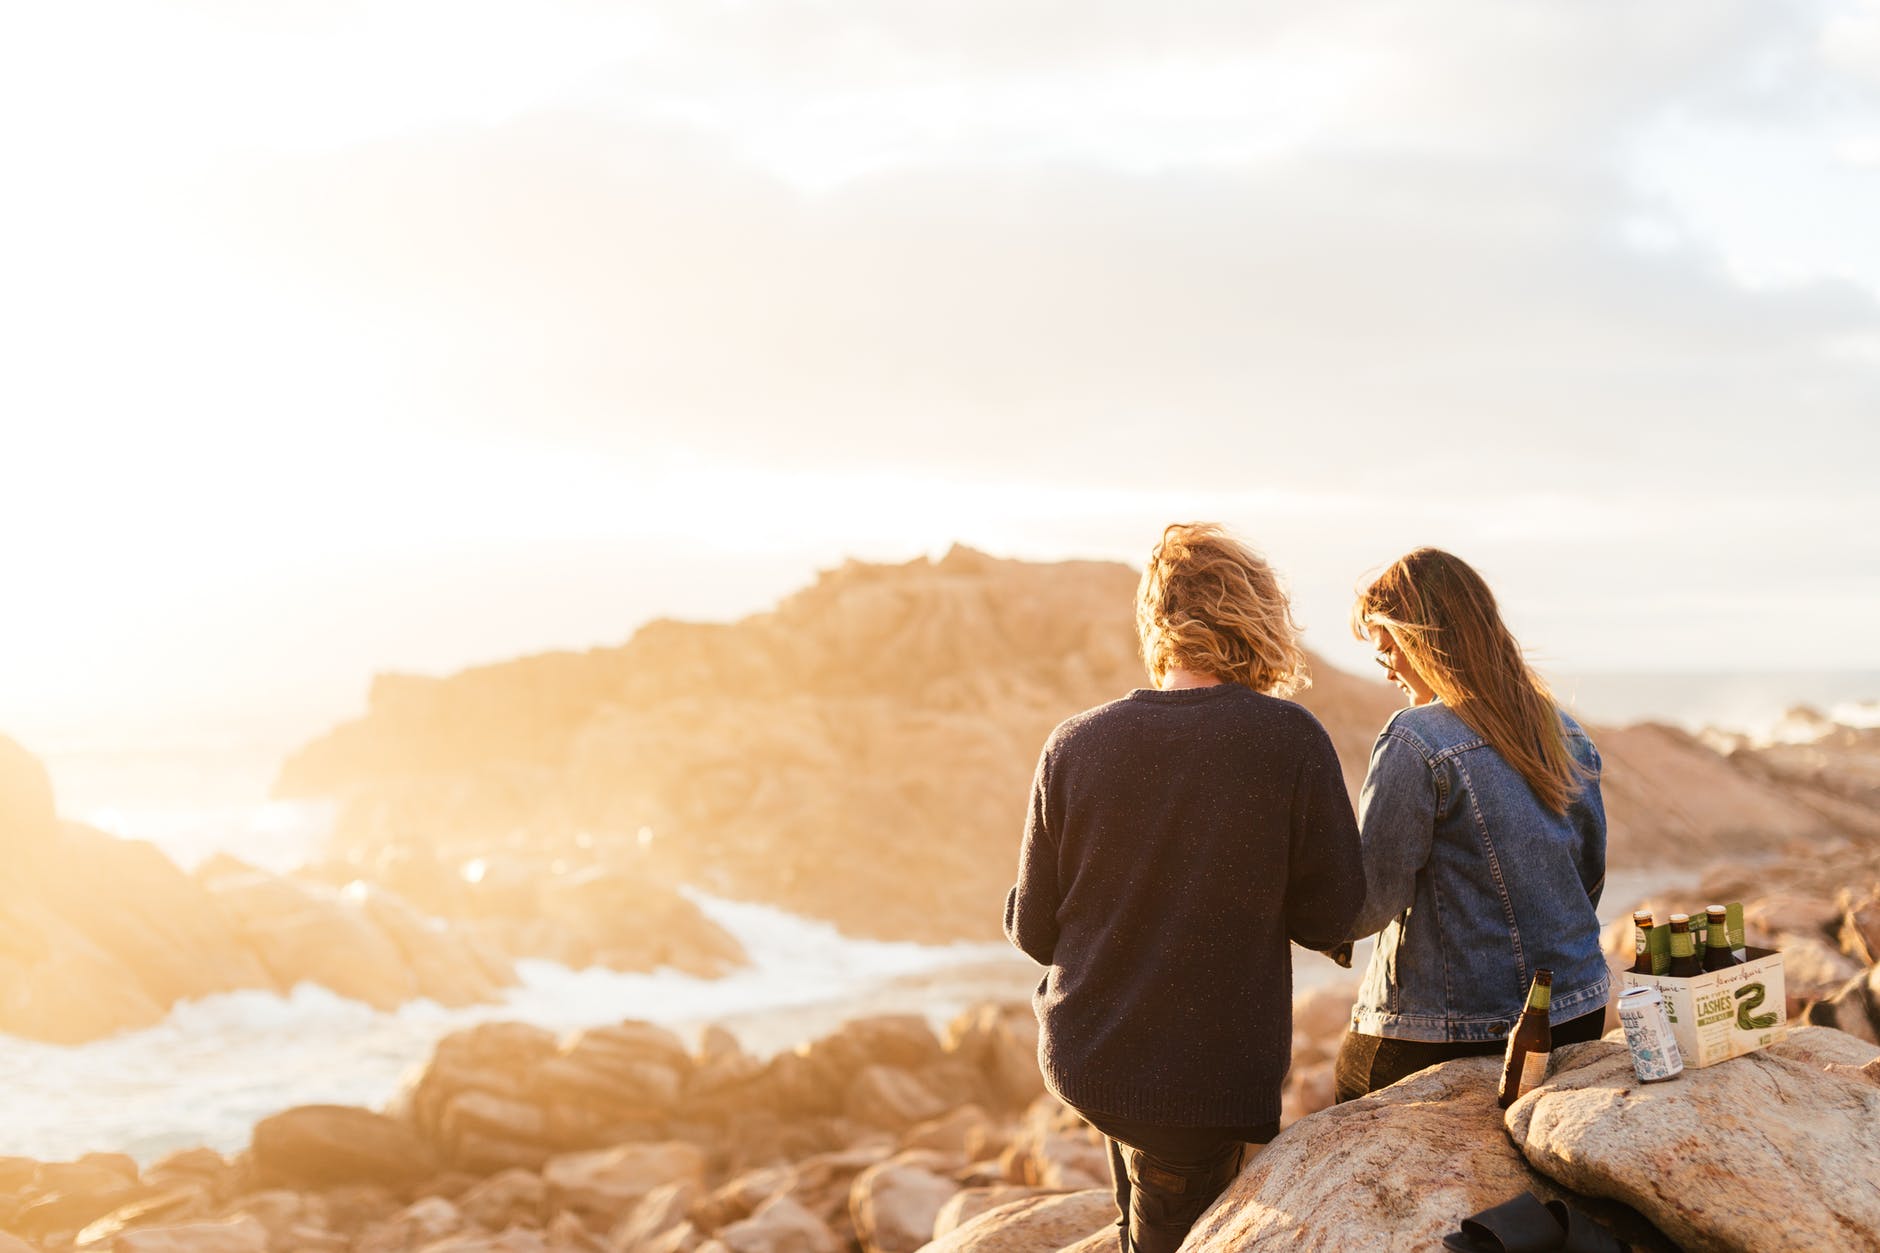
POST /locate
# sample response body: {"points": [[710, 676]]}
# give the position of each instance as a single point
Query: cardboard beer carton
{"points": [[1724, 1013]]}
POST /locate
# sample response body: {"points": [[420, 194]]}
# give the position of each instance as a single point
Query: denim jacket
{"points": [[1475, 884]]}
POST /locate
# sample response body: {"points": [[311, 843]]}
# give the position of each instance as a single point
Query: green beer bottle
{"points": [[1684, 963], [1529, 1044], [1642, 942], [1718, 955]]}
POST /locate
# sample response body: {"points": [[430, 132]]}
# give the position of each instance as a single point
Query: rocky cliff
{"points": [[862, 753]]}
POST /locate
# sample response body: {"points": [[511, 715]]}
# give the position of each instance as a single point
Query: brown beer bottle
{"points": [[1684, 963], [1529, 1044], [1642, 942], [1718, 955]]}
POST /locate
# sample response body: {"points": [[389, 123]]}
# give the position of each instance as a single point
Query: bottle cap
{"points": [[1677, 918]]}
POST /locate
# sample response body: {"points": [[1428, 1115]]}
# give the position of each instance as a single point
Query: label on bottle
{"points": [[1533, 1071]]}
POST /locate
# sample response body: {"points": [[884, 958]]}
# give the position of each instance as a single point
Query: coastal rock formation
{"points": [[1698, 1156], [858, 754], [100, 934]]}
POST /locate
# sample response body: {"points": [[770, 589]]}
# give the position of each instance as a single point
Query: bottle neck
{"points": [[1682, 945], [1540, 996], [1719, 934]]}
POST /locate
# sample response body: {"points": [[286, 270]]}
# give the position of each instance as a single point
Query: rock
{"points": [[13, 1244], [72, 1210], [327, 1145], [633, 1070], [779, 1225], [235, 1235], [887, 1096], [1860, 925], [738, 1198], [422, 1223], [1041, 1224], [1321, 1016], [659, 1212], [1812, 969], [1700, 1156], [1397, 1169], [823, 1184], [1057, 1150], [1002, 1042], [279, 1211], [1847, 1010], [951, 1132], [310, 932], [180, 1203], [969, 1203], [485, 1242], [446, 965], [1309, 1089], [62, 988], [894, 1204], [511, 1198], [601, 1187]]}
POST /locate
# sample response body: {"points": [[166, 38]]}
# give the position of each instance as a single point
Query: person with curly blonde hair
{"points": [[1177, 839]]}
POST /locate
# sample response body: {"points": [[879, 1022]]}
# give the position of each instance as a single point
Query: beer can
{"points": [[1655, 1054]]}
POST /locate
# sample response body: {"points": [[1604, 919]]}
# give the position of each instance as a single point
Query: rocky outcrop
{"points": [[1775, 1149], [897, 709], [100, 934]]}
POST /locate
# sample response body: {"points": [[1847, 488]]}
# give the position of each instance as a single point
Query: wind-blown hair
{"points": [[1445, 619], [1209, 603]]}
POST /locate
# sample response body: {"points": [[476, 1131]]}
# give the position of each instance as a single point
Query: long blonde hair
{"points": [[1208, 602], [1445, 619]]}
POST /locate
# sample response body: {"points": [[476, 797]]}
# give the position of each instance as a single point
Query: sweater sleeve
{"points": [[1325, 878], [1397, 825], [1031, 906]]}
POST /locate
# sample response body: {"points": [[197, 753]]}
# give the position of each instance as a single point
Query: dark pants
{"points": [[1368, 1062], [1165, 1177]]}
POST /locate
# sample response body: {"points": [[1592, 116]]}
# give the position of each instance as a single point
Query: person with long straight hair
{"points": [[1483, 835], [1177, 839]]}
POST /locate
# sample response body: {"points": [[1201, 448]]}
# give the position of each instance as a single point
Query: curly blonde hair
{"points": [[1209, 603]]}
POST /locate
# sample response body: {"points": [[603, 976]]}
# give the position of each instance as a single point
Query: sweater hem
{"points": [[1151, 1105]]}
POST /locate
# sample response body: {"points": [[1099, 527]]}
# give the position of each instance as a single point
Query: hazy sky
{"points": [[344, 337]]}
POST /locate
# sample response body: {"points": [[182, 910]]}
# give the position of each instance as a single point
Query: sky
{"points": [[346, 337]]}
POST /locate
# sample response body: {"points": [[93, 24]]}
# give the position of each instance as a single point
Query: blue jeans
{"points": [[1166, 1177]]}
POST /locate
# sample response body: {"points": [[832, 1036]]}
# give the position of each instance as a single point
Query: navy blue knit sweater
{"points": [[1176, 841]]}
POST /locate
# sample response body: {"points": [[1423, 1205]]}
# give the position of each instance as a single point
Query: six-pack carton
{"points": [[1724, 1013]]}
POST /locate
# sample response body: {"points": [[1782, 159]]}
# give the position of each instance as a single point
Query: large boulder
{"points": [[315, 1146], [1775, 1149], [1040, 1224], [1397, 1169]]}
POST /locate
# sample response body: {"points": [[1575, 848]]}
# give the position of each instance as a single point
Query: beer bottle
{"points": [[1529, 1044], [1718, 955], [1684, 963], [1642, 942]]}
